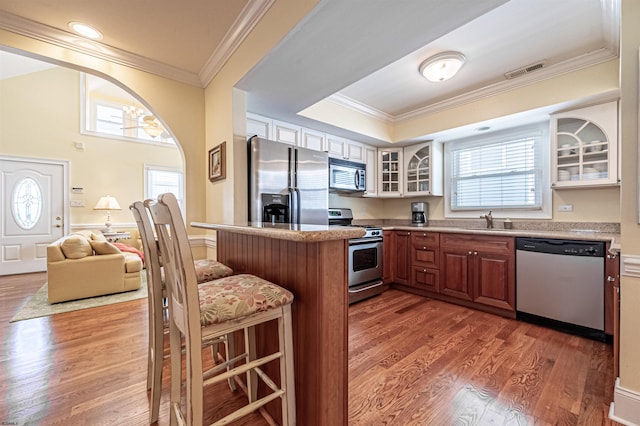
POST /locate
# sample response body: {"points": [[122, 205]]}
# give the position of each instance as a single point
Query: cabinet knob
{"points": [[424, 248], [475, 253], [470, 253]]}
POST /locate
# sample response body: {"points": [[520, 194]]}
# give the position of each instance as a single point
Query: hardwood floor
{"points": [[412, 361], [416, 361]]}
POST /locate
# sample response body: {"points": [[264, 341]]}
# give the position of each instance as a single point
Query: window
{"points": [[159, 180], [111, 112], [506, 172]]}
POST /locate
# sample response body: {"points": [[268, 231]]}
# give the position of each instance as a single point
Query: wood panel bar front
{"points": [[316, 273]]}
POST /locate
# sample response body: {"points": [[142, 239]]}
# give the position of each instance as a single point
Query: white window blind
{"points": [[504, 171], [161, 179]]}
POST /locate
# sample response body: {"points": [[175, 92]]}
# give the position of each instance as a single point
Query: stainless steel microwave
{"points": [[346, 175]]}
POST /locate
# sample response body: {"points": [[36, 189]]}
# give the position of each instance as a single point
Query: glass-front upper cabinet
{"points": [[423, 169], [585, 146], [390, 172]]}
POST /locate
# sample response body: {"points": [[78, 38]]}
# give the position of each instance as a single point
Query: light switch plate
{"points": [[77, 203], [565, 208]]}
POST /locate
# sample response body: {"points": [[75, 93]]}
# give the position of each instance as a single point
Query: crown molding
{"points": [[352, 104], [65, 40], [242, 26], [240, 29]]}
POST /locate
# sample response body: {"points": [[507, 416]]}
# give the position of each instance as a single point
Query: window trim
{"points": [[152, 167], [545, 212]]}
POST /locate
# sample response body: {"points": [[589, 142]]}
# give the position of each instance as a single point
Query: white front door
{"points": [[33, 211]]}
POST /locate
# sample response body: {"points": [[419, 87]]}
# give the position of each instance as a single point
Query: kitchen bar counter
{"points": [[311, 262], [288, 231]]}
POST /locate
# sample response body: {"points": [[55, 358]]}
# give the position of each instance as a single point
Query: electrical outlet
{"points": [[565, 208], [77, 203]]}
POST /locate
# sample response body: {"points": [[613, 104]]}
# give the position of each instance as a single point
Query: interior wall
{"points": [[630, 286], [40, 117], [225, 106], [180, 105]]}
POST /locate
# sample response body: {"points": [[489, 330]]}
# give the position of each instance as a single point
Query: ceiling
{"points": [[360, 54]]}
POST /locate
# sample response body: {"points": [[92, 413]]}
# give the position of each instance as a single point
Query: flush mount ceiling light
{"points": [[442, 66], [85, 30]]}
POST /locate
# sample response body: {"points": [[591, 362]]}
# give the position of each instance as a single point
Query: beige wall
{"points": [[40, 117], [226, 111], [630, 287], [180, 105]]}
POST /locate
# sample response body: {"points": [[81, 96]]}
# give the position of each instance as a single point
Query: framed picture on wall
{"points": [[217, 169]]}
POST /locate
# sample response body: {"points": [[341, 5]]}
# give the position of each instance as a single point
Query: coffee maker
{"points": [[419, 214]]}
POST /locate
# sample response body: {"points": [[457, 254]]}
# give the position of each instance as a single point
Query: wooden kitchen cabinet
{"points": [[389, 258], [425, 260], [402, 269], [479, 269]]}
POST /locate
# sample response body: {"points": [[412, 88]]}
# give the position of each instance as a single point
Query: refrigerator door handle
{"points": [[293, 199], [297, 221]]}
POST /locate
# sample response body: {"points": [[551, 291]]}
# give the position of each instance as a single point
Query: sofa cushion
{"points": [[76, 247], [132, 262], [104, 247]]}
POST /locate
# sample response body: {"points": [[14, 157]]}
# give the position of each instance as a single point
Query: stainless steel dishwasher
{"points": [[560, 283]]}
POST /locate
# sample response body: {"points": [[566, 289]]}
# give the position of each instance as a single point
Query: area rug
{"points": [[38, 306]]}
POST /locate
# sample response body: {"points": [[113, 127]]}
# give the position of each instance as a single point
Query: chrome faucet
{"points": [[489, 219]]}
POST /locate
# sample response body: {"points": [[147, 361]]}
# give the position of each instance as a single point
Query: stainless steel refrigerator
{"points": [[287, 184]]}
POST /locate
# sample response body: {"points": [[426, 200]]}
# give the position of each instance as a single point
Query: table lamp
{"points": [[107, 203]]}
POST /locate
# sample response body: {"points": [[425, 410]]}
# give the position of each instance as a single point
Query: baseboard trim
{"points": [[625, 407]]}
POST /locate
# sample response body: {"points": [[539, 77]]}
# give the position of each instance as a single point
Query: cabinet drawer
{"points": [[426, 278], [478, 243], [425, 256], [429, 239]]}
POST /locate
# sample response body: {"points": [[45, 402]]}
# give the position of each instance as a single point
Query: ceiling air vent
{"points": [[524, 70]]}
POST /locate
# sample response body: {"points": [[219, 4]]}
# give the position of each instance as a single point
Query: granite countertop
{"points": [[287, 231], [568, 231]]}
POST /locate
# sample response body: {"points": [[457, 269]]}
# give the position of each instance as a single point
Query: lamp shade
{"points": [[442, 66], [107, 203]]}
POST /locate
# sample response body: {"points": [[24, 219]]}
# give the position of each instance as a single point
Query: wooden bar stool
{"points": [[206, 270], [214, 309]]}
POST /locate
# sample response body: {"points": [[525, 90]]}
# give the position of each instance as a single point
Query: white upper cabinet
{"points": [[423, 169], [287, 133], [346, 149], [412, 171], [313, 139], [371, 161], [260, 126], [584, 147], [390, 165]]}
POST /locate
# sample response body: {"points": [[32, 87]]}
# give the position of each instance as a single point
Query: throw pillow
{"points": [[76, 247], [104, 247]]}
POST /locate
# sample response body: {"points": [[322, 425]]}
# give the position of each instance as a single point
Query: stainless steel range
{"points": [[365, 257]]}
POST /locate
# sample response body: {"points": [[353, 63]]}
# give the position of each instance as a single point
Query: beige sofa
{"points": [[84, 264]]}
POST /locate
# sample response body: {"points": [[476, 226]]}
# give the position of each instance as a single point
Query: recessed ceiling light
{"points": [[85, 30], [442, 66]]}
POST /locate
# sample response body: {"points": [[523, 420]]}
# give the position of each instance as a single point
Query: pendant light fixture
{"points": [[442, 66]]}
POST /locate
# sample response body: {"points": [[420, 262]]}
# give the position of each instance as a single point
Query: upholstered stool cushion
{"points": [[209, 270], [238, 296]]}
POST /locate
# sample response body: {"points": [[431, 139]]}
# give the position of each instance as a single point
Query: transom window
{"points": [[113, 113], [503, 172]]}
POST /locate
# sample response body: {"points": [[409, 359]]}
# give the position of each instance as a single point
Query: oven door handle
{"points": [[359, 241]]}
